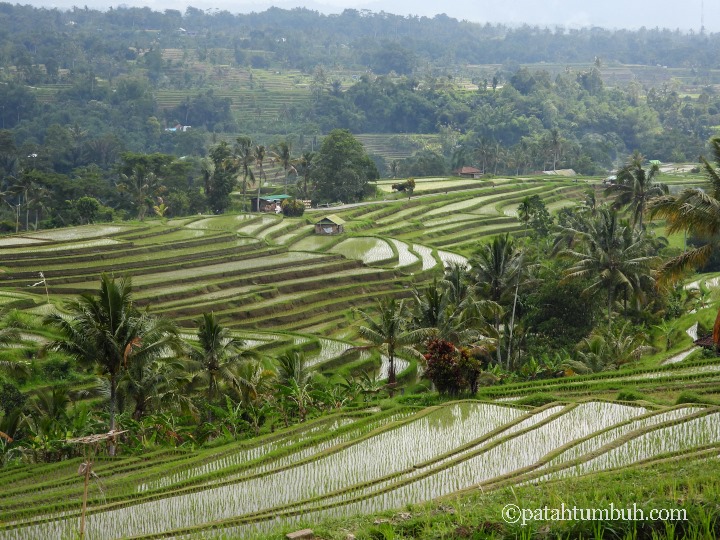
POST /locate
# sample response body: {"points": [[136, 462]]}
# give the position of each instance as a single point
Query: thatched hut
{"points": [[330, 225]]}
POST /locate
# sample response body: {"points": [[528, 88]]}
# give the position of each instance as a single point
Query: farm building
{"points": [[469, 172], [330, 225], [268, 203], [561, 172], [707, 342]]}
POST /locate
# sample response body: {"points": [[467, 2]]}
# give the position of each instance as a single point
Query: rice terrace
{"points": [[278, 286], [357, 276]]}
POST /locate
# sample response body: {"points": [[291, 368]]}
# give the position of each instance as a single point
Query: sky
{"points": [[632, 14]]}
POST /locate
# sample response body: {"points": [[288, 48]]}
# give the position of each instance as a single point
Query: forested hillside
{"points": [[79, 89]]}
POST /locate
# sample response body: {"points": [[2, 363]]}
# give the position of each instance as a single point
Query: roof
{"points": [[468, 170], [706, 342], [332, 218], [276, 197], [561, 172]]}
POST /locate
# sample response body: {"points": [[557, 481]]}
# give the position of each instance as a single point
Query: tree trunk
{"points": [[113, 405], [512, 322], [497, 349], [392, 380]]}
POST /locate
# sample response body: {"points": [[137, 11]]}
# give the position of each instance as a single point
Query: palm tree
{"points": [[244, 153], [149, 382], [635, 187], [524, 211], [554, 143], [435, 311], [695, 211], [108, 331], [254, 381], [282, 154], [496, 270], [304, 167], [217, 358], [36, 198], [389, 334], [141, 185], [294, 381], [613, 348], [24, 188], [612, 255]]}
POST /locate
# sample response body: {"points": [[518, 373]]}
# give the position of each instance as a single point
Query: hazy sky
{"points": [[683, 14]]}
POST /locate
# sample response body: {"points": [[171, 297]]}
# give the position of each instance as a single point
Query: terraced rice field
{"points": [[343, 465], [267, 272], [368, 250]]}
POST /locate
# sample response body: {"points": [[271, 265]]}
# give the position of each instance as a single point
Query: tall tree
{"points": [[390, 334], [343, 169], [282, 155], [636, 186], [217, 358], [304, 166], [142, 185], [696, 211], [219, 173], [612, 255], [244, 152], [495, 271], [107, 330]]}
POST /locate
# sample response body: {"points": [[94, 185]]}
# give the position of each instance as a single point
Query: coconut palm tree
{"points": [[254, 381], [244, 154], [614, 256], [524, 212], [496, 270], [149, 382], [695, 211], [108, 331], [142, 186], [304, 167], [282, 154], [390, 334], [294, 383], [217, 358], [24, 187], [635, 187], [435, 311]]}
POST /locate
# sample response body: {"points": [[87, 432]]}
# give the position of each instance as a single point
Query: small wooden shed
{"points": [[469, 172], [330, 225]]}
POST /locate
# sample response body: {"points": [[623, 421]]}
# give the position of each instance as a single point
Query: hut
{"points": [[330, 225], [468, 172], [268, 203]]}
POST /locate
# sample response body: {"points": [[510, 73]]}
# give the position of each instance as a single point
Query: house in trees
{"points": [[330, 225], [469, 172], [268, 203]]}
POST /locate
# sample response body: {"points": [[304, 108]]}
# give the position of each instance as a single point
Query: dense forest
{"points": [[84, 94]]}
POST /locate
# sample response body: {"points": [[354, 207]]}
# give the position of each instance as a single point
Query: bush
{"points": [[630, 395], [292, 208], [689, 397], [58, 369], [442, 367], [10, 397]]}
